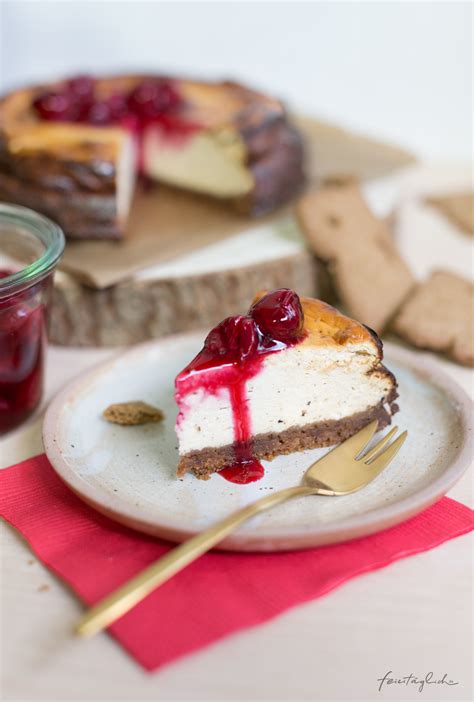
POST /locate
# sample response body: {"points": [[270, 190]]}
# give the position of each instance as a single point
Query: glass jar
{"points": [[30, 248]]}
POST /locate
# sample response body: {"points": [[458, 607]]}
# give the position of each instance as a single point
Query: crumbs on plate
{"points": [[132, 413]]}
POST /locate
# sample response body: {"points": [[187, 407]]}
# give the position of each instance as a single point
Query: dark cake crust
{"points": [[267, 446], [94, 174], [82, 214], [278, 172]]}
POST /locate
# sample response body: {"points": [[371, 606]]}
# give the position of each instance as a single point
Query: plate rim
{"points": [[345, 529]]}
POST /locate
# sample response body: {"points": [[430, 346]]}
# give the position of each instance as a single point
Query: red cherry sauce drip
{"points": [[21, 357], [154, 102], [234, 353], [226, 372]]}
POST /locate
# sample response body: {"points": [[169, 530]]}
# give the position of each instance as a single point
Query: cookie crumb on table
{"points": [[132, 413]]}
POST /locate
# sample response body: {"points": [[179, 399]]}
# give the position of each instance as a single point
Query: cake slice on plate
{"points": [[290, 375]]}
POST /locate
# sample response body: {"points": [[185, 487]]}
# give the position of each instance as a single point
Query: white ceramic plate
{"points": [[128, 473]]}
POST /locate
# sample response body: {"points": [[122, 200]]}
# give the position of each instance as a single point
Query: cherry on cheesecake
{"points": [[279, 315], [77, 102]]}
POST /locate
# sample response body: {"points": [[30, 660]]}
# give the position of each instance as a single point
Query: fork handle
{"points": [[132, 592]]}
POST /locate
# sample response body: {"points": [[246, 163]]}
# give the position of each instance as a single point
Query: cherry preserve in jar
{"points": [[30, 248]]}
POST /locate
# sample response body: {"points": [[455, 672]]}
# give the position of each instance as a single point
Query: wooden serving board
{"points": [[188, 261], [192, 292]]}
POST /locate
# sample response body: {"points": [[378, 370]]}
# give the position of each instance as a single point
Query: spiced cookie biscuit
{"points": [[132, 413], [439, 316], [356, 249]]}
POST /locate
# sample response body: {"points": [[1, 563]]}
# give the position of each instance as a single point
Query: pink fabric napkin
{"points": [[215, 596]]}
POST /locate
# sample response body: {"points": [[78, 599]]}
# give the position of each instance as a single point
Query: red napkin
{"points": [[218, 594]]}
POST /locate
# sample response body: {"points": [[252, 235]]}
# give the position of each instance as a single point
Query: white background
{"points": [[399, 70]]}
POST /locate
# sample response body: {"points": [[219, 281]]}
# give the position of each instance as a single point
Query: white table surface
{"points": [[415, 616]]}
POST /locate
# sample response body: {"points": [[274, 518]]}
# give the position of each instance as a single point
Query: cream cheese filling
{"points": [[297, 386], [207, 162]]}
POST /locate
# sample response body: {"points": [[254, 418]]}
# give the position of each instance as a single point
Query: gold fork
{"points": [[339, 472]]}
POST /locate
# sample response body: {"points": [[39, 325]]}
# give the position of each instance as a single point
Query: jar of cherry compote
{"points": [[30, 248]]}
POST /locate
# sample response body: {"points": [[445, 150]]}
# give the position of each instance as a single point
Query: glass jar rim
{"points": [[48, 232]]}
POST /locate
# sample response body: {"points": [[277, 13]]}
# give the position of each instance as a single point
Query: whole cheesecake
{"points": [[290, 375], [73, 149]]}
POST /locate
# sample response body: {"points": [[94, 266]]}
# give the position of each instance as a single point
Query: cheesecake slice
{"points": [[72, 149], [290, 375]]}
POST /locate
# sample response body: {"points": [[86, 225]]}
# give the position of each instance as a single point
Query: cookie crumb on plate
{"points": [[132, 413]]}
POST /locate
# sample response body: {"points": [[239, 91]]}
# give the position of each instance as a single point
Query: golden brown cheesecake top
{"points": [[325, 325], [223, 107]]}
